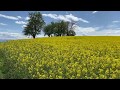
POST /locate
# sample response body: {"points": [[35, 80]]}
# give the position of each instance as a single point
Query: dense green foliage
{"points": [[34, 25], [75, 57], [60, 28]]}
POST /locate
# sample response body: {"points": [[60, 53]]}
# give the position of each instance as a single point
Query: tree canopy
{"points": [[34, 25], [60, 28]]}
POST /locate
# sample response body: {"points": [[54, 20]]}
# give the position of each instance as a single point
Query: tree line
{"points": [[36, 24]]}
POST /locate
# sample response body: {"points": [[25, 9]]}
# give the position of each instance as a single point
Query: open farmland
{"points": [[73, 57]]}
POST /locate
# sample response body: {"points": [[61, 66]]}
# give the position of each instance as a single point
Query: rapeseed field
{"points": [[69, 57]]}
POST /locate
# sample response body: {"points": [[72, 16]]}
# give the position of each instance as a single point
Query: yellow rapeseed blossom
{"points": [[75, 57]]}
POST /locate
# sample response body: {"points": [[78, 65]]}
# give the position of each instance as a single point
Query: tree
{"points": [[71, 33], [34, 25], [48, 30], [70, 30], [63, 28], [60, 28]]}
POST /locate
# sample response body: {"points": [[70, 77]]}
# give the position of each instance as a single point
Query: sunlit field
{"points": [[75, 57]]}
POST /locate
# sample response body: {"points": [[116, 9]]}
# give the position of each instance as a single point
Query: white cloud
{"points": [[19, 17], [115, 21], [73, 18], [27, 18], [69, 17], [85, 30], [110, 32], [61, 17], [94, 12], [3, 24], [113, 31], [117, 31], [97, 31], [54, 16], [20, 22], [8, 35], [85, 21], [23, 26], [42, 35], [9, 17]]}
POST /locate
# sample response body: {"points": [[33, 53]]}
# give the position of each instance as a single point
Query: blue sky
{"points": [[91, 23]]}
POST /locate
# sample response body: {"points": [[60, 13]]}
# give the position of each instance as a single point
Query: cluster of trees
{"points": [[36, 24], [60, 28]]}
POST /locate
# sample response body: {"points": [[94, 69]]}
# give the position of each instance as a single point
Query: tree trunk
{"points": [[33, 36]]}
